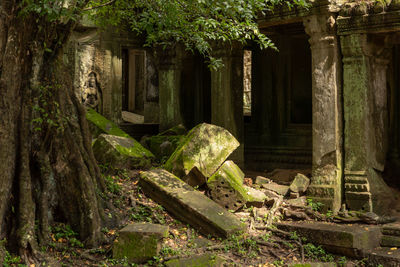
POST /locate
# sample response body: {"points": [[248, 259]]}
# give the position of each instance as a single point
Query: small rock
{"points": [[139, 242], [260, 180], [277, 188], [206, 260], [300, 183]]}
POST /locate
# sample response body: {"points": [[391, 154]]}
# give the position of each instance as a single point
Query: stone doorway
{"points": [[279, 132]]}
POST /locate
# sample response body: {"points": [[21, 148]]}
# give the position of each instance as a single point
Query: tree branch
{"points": [[105, 4]]}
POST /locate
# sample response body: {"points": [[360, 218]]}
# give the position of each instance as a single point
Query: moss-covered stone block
{"points": [[226, 186], [139, 242], [120, 152], [205, 260], [188, 205], [200, 154], [101, 125]]}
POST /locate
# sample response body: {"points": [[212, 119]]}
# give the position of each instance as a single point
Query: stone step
{"points": [[387, 257], [348, 240], [188, 205]]}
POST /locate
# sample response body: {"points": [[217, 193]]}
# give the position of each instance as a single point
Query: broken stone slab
{"points": [[120, 152], [132, 117], [260, 180], [189, 205], [226, 186], [206, 260], [390, 241], [201, 153], [277, 188], [100, 125], [348, 240], [139, 242], [300, 184]]}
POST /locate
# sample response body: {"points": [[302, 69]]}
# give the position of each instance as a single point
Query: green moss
{"points": [[102, 125]]}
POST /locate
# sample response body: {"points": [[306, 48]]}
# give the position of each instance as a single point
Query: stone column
{"points": [[326, 181], [169, 77], [227, 95], [365, 60]]}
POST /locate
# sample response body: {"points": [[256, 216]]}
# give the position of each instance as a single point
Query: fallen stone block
{"points": [[277, 188], [226, 186], [121, 152], [100, 125], [300, 184], [206, 260], [260, 180], [201, 153], [188, 205], [348, 240], [139, 242]]}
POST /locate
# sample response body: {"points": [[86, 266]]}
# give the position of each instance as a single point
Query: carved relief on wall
{"points": [[91, 92]]}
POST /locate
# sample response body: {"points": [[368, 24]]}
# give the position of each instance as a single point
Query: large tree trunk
{"points": [[47, 167]]}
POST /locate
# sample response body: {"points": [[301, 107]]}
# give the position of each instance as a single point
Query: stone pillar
{"points": [[227, 95], [169, 77], [365, 60], [326, 181]]}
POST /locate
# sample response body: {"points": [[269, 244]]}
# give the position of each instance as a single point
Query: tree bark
{"points": [[47, 167]]}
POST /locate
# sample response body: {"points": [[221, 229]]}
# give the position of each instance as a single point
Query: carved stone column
{"points": [[169, 77], [227, 95], [326, 182], [365, 60]]}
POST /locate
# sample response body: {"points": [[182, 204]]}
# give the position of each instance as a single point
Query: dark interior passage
{"points": [[278, 135]]}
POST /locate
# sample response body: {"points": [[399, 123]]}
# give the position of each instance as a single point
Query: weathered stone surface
{"points": [[285, 175], [348, 240], [132, 117], [121, 152], [255, 198], [300, 183], [139, 242], [100, 125], [391, 229], [390, 241], [226, 186], [298, 202], [277, 188], [205, 260], [260, 180], [189, 205], [383, 257], [200, 154]]}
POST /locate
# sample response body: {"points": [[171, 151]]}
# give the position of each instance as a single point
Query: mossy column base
{"points": [[169, 77], [326, 181], [365, 60], [227, 95]]}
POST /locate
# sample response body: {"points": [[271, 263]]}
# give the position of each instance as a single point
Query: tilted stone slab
{"points": [[139, 242], [348, 240], [201, 153], [188, 205], [226, 186], [277, 188], [120, 152]]}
